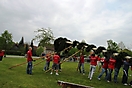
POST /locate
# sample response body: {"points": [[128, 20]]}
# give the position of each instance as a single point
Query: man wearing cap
{"points": [[126, 64]]}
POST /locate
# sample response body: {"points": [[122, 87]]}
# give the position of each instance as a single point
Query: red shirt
{"points": [[105, 64], [93, 60], [29, 56], [56, 59], [81, 59], [48, 58], [1, 53], [102, 59], [111, 64], [98, 58]]}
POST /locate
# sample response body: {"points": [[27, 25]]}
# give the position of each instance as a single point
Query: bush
{"points": [[14, 52], [39, 50]]}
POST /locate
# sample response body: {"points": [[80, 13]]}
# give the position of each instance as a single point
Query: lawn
{"points": [[17, 77]]}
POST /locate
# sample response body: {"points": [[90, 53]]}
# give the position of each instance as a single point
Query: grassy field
{"points": [[17, 77]]}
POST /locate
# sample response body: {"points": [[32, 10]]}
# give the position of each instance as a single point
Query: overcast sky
{"points": [[94, 21]]}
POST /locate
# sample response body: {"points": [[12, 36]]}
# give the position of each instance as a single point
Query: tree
{"points": [[21, 43], [39, 50], [33, 50], [8, 39], [44, 36], [2, 43], [112, 45], [26, 48]]}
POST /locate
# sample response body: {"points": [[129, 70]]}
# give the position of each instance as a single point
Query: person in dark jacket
{"points": [[118, 65], [126, 65]]}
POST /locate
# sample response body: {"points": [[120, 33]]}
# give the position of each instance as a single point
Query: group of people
{"points": [[108, 66], [48, 57]]}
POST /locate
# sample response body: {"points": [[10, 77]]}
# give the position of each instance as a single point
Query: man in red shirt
{"points": [[81, 64], [93, 63], [29, 61], [55, 65], [1, 54]]}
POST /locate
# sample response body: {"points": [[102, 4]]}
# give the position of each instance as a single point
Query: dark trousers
{"points": [[46, 67], [116, 74], [125, 76], [1, 57], [109, 74], [79, 67], [29, 68]]}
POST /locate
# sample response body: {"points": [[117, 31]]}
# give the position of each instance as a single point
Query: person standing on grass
{"points": [[104, 69], [48, 59], [126, 64], [55, 65], [1, 54], [81, 64], [111, 66], [118, 65], [29, 61], [93, 63]]}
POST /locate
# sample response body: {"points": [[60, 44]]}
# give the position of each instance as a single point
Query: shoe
{"points": [[90, 79], [51, 73], [43, 70], [108, 81], [125, 84], [99, 79], [57, 74]]}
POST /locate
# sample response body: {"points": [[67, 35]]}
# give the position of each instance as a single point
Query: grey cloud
{"points": [[93, 21]]}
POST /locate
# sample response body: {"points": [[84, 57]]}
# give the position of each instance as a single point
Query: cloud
{"points": [[94, 21]]}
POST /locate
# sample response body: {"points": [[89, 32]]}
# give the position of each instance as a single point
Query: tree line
{"points": [[45, 37]]}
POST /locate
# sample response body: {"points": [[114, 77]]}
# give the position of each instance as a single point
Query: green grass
{"points": [[17, 77]]}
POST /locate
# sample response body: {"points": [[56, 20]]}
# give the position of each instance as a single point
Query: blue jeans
{"points": [[46, 67], [29, 67], [109, 74], [102, 72], [79, 67], [116, 74]]}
